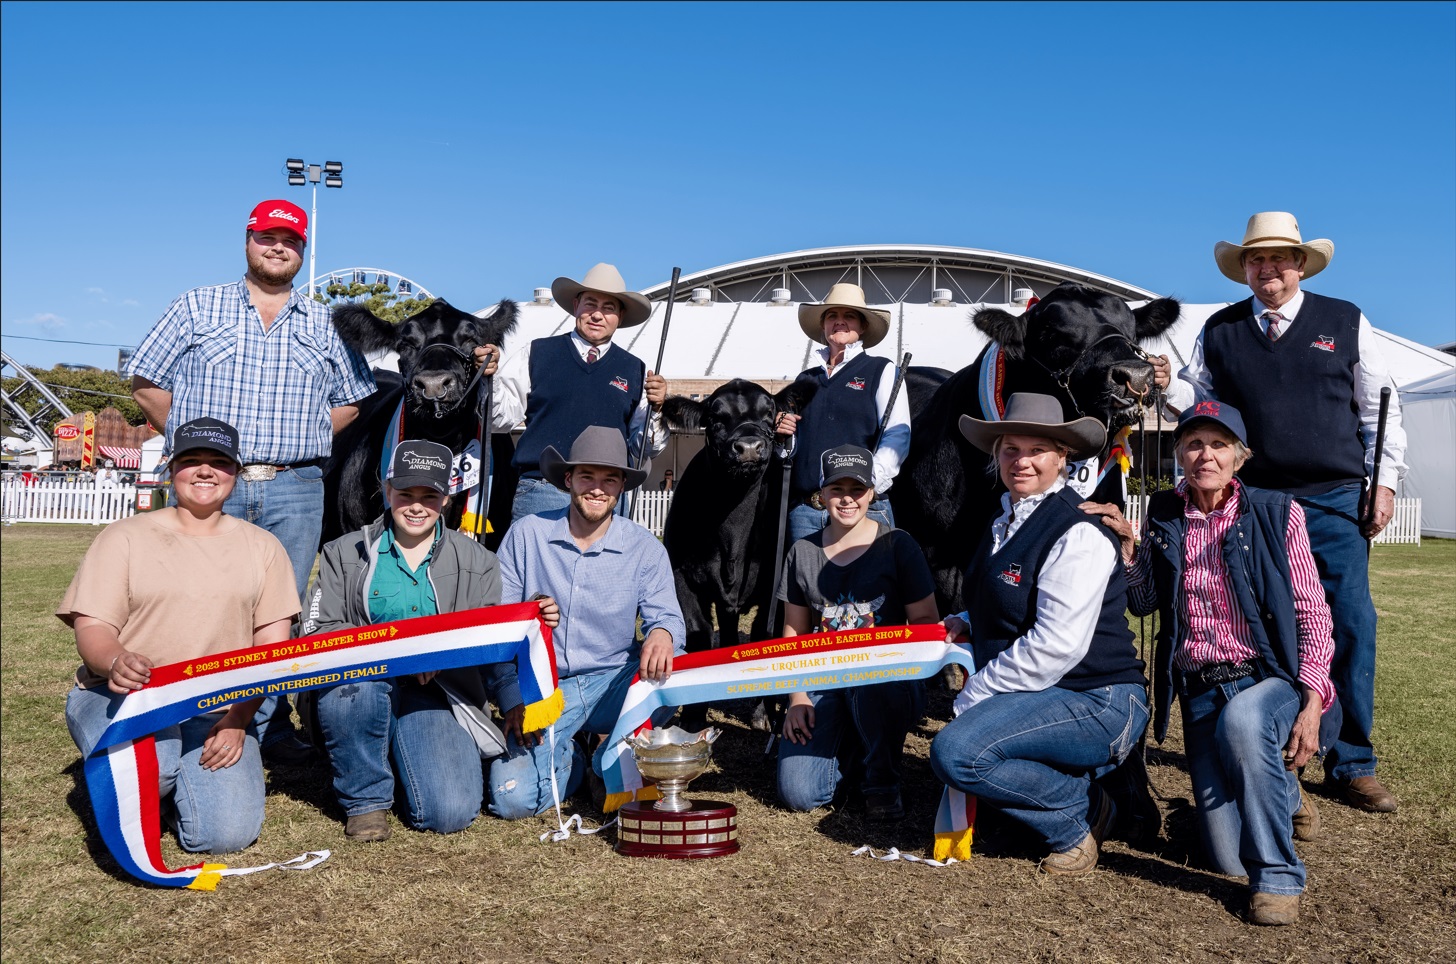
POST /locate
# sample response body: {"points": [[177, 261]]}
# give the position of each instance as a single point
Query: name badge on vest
{"points": [[465, 472], [1082, 476]]}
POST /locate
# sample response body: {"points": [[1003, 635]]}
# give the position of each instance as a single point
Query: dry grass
{"points": [[1381, 887]]}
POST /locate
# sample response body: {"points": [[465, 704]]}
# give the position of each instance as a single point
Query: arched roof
{"points": [[891, 273]]}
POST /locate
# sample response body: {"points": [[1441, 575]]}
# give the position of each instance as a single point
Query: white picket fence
{"points": [[73, 500], [649, 509], [1404, 527]]}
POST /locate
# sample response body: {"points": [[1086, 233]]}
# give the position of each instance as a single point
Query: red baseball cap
{"points": [[279, 214]]}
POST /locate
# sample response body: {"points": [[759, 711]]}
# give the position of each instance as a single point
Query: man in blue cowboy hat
{"points": [[604, 572]]}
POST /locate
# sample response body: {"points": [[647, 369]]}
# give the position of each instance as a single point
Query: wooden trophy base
{"points": [[709, 829]]}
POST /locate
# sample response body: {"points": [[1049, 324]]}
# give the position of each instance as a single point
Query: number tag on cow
{"points": [[465, 473], [1082, 476]]}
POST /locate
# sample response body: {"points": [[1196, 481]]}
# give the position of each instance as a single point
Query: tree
{"points": [[376, 297], [82, 391]]}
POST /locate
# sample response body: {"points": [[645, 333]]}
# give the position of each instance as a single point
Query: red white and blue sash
{"points": [[121, 773]]}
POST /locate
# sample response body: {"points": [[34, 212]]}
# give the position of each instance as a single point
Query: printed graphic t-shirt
{"points": [[871, 591]]}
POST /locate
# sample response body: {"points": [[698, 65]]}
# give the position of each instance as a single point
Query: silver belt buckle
{"points": [[258, 473]]}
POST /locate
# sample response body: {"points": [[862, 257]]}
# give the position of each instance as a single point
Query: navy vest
{"points": [[1256, 554], [842, 412], [567, 395], [1005, 597], [1297, 394]]}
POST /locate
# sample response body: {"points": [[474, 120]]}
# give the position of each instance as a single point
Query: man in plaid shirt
{"points": [[265, 359]]}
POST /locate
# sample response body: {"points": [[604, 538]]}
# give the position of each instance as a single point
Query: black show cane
{"points": [[894, 393], [661, 350], [1375, 467]]}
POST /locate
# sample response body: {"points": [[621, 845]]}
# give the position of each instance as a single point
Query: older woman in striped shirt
{"points": [[1244, 640]]}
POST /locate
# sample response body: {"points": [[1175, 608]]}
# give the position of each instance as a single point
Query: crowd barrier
{"points": [[1404, 527]]}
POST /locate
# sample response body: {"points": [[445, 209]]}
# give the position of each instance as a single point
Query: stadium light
{"points": [[300, 173]]}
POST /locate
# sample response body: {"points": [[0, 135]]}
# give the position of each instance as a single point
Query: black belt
{"points": [[1215, 673]]}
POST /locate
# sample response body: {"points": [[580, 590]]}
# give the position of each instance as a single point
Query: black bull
{"points": [[436, 379]]}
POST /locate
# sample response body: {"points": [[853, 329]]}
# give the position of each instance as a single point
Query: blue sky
{"points": [[488, 149]]}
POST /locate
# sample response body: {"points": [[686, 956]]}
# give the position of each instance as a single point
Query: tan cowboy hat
{"points": [[1272, 229], [845, 295], [1028, 413], [596, 445], [606, 279]]}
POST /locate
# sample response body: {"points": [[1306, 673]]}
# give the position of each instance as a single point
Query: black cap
{"points": [[846, 462], [418, 462], [206, 433]]}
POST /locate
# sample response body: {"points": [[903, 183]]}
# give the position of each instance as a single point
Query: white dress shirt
{"points": [[1070, 585], [1195, 383], [512, 387]]}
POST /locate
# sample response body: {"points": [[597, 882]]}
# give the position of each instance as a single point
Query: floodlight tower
{"points": [[299, 173]]}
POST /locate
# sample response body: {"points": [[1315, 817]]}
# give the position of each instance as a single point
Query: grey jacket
{"points": [[463, 574]]}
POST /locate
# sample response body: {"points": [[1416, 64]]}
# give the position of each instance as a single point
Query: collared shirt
{"points": [[276, 387], [1207, 606], [511, 388], [1069, 586], [1195, 383], [601, 590], [396, 591]]}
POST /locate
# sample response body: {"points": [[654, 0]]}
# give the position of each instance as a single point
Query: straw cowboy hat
{"points": [[1028, 413], [1272, 229], [844, 295], [604, 279], [596, 445]]}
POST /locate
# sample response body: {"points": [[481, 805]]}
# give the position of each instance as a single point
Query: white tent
{"points": [[152, 457], [1428, 414]]}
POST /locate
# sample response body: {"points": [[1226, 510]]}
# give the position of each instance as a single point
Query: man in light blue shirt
{"points": [[604, 571]]}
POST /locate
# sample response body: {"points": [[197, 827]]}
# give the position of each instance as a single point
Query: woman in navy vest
{"points": [[1058, 695], [1244, 640], [854, 390]]}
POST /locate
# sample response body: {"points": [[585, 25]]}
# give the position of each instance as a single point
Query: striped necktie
{"points": [[1275, 319], [592, 354]]}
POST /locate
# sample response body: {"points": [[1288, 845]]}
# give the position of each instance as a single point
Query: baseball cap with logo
{"points": [[846, 462], [418, 462], [1210, 410], [270, 215], [206, 433]]}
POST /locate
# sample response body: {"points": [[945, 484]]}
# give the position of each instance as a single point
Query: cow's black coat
{"points": [[435, 372], [1076, 344], [723, 524]]}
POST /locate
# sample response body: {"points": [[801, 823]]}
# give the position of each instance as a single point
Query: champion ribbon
{"points": [[824, 661], [464, 471], [121, 773]]}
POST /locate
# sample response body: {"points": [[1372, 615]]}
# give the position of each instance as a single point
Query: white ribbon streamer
{"points": [[894, 854]]}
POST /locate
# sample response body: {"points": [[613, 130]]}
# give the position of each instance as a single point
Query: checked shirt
{"points": [[275, 387]]}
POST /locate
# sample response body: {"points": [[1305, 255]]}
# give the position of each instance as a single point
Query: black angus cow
{"points": [[1077, 344], [723, 525], [436, 380]]}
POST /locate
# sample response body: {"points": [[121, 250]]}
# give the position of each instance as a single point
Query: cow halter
{"points": [[439, 411], [1063, 376]]}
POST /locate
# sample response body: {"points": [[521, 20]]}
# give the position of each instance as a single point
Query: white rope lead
{"points": [[304, 861], [564, 826], [894, 854]]}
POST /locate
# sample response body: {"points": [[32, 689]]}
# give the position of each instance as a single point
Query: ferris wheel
{"points": [[350, 283]]}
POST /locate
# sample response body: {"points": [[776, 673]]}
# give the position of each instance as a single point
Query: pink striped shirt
{"points": [[1213, 629]]}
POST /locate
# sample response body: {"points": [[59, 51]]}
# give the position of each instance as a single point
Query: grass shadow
{"points": [[78, 798]]}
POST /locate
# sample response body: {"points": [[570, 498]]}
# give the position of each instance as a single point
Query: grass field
{"points": [[1382, 888]]}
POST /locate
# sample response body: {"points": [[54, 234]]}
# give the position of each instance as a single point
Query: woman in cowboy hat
{"points": [[854, 389], [1252, 686], [563, 384], [1058, 692]]}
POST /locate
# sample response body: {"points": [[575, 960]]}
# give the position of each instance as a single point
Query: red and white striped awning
{"points": [[124, 458]]}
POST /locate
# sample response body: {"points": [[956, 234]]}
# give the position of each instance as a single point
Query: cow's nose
{"points": [[432, 386], [748, 449], [1137, 375]]}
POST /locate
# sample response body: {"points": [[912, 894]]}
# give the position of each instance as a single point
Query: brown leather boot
{"points": [[1306, 818], [1365, 793], [1082, 858], [1273, 910], [371, 827]]}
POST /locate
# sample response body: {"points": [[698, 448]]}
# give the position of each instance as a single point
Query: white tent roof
{"points": [[1428, 415]]}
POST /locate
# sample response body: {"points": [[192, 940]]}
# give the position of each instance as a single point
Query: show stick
{"points": [[1375, 467], [661, 350], [894, 392]]}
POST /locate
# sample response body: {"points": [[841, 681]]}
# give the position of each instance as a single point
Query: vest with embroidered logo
{"points": [[567, 395], [842, 412]]}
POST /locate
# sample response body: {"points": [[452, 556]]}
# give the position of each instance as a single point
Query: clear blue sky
{"points": [[488, 149]]}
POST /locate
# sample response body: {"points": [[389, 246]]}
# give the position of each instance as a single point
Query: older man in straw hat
{"points": [[562, 384], [1306, 373], [854, 390]]}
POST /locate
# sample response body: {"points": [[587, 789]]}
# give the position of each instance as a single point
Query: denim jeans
{"points": [[1234, 735], [383, 734], [870, 722], [520, 780], [534, 496], [216, 811], [1033, 755], [805, 520], [1341, 555]]}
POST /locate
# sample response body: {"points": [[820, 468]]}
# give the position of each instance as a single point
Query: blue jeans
{"points": [[379, 728], [216, 811], [534, 496], [1033, 755], [291, 506], [870, 722], [805, 520], [1341, 554], [520, 780], [1234, 735]]}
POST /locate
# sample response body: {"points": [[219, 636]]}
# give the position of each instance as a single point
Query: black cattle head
{"points": [[434, 349], [1085, 342], [737, 421]]}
